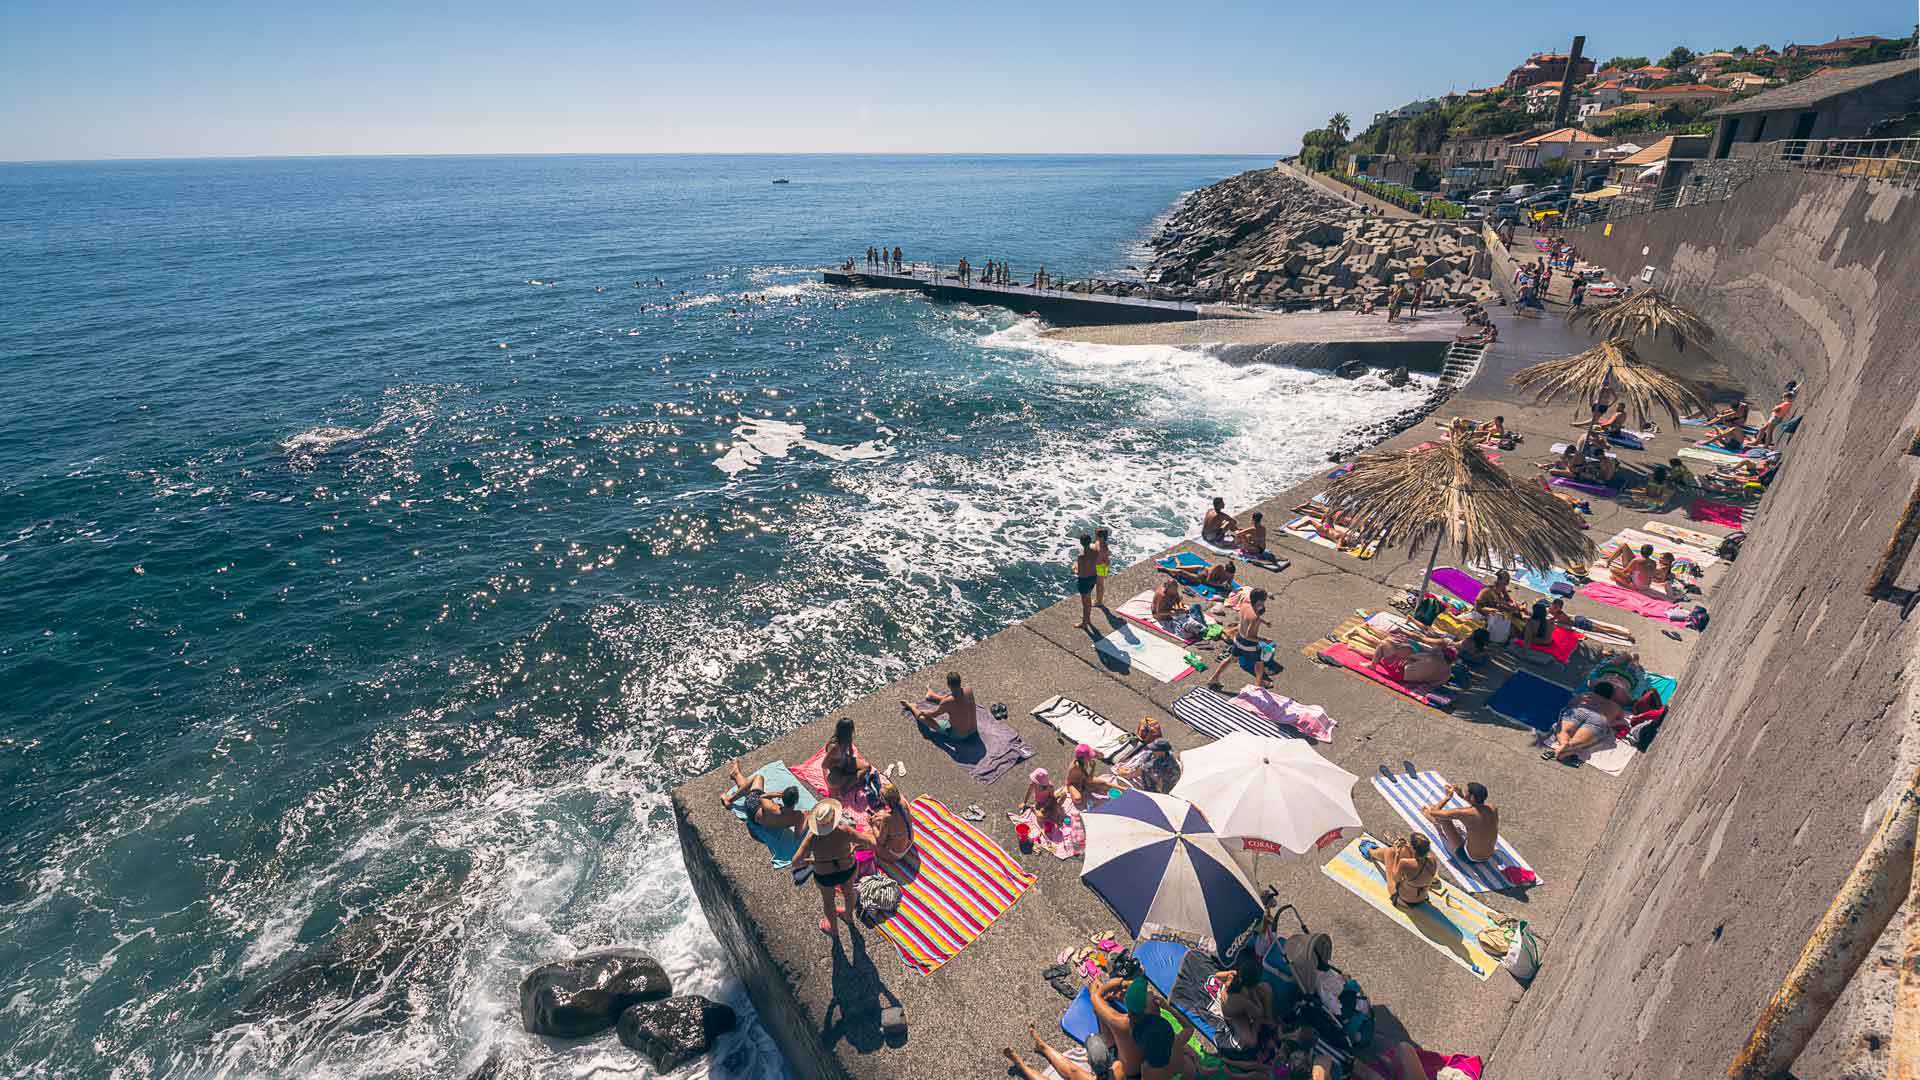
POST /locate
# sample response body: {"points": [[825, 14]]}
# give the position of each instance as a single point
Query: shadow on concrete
{"points": [[859, 995]]}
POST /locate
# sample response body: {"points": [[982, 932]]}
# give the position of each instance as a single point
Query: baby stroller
{"points": [[1299, 967]]}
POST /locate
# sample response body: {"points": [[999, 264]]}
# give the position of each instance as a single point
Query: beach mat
{"points": [[1702, 457], [1563, 645], [1682, 552], [988, 753], [1450, 921], [1610, 756], [1725, 515], [1601, 490], [1128, 649], [1266, 560], [1354, 662], [954, 885], [1301, 528], [1459, 582], [1408, 794], [1186, 560], [1626, 599], [1706, 542], [1531, 700], [1216, 716], [1078, 724], [781, 843], [1139, 611], [812, 773]]}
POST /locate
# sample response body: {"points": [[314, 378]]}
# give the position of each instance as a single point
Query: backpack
{"points": [[1730, 546]]}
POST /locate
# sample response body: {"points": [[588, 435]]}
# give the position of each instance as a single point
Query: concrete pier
{"points": [[1055, 305], [822, 1000]]}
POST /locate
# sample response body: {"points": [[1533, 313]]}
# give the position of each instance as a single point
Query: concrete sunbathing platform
{"points": [[822, 1000]]}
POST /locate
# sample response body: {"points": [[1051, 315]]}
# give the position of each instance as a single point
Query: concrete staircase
{"points": [[1461, 365]]}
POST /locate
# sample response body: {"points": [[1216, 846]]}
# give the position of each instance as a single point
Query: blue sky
{"points": [[88, 80]]}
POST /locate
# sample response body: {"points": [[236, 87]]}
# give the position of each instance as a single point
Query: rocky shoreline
{"points": [[1270, 238]]}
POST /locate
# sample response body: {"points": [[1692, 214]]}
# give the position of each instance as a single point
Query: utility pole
{"points": [[1567, 81]]}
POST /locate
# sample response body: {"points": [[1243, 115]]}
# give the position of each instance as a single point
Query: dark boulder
{"points": [[585, 995], [675, 1031], [1398, 377]]}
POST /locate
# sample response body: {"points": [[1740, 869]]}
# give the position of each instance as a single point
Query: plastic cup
{"points": [[1023, 832]]}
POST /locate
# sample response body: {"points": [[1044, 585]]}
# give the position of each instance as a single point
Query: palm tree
{"points": [[1339, 124], [1644, 313], [1451, 490], [1613, 365]]}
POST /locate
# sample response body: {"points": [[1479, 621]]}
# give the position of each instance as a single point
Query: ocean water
{"points": [[380, 543]]}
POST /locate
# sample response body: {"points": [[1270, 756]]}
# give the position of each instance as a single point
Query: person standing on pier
{"points": [[1395, 298], [896, 258], [966, 272], [1085, 578]]}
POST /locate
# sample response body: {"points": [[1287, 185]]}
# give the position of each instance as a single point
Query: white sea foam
{"points": [[756, 440]]}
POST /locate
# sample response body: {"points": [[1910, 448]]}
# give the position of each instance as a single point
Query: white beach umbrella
{"points": [[1277, 790]]}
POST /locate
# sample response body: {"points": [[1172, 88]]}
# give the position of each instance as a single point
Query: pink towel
{"points": [[1360, 665], [1627, 599], [1725, 515], [813, 773]]}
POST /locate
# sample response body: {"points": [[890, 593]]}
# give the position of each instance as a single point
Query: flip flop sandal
{"points": [[1408, 766], [1327, 660], [974, 813], [1388, 773], [1546, 755], [1571, 763]]}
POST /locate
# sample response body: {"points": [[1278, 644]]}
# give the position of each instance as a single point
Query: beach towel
{"points": [[1725, 515], [812, 772], [1061, 839], [1215, 715], [1450, 921], [953, 885], [1309, 720], [1660, 684], [1186, 560], [1079, 724], [1571, 484], [1701, 457], [1632, 440], [1531, 700], [1458, 582], [1706, 542], [1302, 528], [1637, 538], [1609, 755], [988, 753], [1408, 794], [1627, 599], [1266, 560], [1758, 453], [1359, 665], [1139, 611], [781, 843], [1128, 649], [1563, 645]]}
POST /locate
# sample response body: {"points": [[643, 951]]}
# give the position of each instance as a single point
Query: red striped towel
{"points": [[954, 885]]}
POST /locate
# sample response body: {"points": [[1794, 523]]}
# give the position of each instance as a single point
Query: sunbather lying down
{"points": [[1398, 659], [1331, 524]]}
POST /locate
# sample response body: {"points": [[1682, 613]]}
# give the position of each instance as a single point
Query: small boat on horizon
{"points": [[783, 180]]}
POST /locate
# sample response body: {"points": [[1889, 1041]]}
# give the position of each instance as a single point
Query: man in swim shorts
{"points": [[1247, 643], [1587, 720], [771, 811], [1102, 566], [1218, 525], [957, 705], [1253, 538], [1470, 831], [1086, 577]]}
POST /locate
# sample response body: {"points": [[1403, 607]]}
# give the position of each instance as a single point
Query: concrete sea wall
{"points": [[1796, 717]]}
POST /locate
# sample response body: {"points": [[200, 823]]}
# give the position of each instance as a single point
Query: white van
{"points": [[1520, 191]]}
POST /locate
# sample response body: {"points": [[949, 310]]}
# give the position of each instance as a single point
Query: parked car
{"points": [[1504, 212], [1520, 191], [1476, 213], [1484, 198]]}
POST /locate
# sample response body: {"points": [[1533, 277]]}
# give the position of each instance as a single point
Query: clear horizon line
{"points": [[636, 154]]}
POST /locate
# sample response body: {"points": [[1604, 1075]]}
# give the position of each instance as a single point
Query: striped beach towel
{"points": [[953, 887], [1215, 715], [1407, 794]]}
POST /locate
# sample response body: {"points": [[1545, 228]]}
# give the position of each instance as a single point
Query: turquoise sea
{"points": [[381, 538]]}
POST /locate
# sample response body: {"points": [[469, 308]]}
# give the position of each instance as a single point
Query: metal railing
{"points": [[1894, 161]]}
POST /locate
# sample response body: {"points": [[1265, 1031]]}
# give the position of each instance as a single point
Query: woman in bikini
{"points": [[892, 827], [845, 769], [1082, 783], [828, 848]]}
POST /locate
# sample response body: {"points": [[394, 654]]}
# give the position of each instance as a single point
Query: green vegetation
{"points": [[1626, 63], [1406, 198], [1680, 55]]}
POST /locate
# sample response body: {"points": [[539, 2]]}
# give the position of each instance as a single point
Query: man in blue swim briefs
{"points": [[1470, 831], [1085, 577]]}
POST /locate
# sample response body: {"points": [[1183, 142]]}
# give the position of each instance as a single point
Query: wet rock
{"points": [[584, 995], [673, 1032], [1398, 377]]}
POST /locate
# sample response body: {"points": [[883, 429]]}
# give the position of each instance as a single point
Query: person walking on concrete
{"points": [[1395, 299]]}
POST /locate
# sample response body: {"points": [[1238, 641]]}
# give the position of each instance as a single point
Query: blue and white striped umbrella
{"points": [[1157, 863]]}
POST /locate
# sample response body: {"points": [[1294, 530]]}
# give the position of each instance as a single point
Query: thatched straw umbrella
{"points": [[1646, 312], [1451, 490], [1613, 366]]}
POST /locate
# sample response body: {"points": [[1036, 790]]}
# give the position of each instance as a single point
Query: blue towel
{"points": [[1160, 962], [1530, 699], [1187, 560], [1661, 683], [781, 843], [1543, 583]]}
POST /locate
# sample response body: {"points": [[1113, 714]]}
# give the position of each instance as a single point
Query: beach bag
{"points": [[878, 897], [1697, 619], [1730, 546], [1499, 628], [1560, 588], [1523, 956]]}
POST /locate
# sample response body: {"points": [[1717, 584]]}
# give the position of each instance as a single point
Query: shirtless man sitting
{"points": [[1218, 525], [1409, 866], [773, 812], [1632, 571], [1498, 597], [1253, 538], [1470, 831], [1119, 1006], [1167, 600], [1587, 719], [956, 705]]}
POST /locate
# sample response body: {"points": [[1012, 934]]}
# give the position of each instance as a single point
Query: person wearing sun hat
{"points": [[828, 848], [1083, 783]]}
